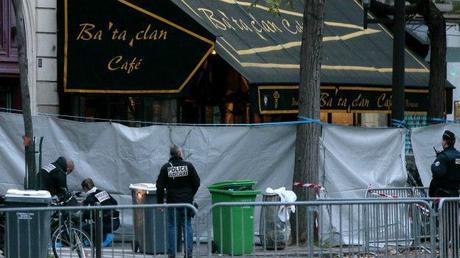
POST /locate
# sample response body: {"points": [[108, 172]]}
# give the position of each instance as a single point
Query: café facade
{"points": [[224, 61]]}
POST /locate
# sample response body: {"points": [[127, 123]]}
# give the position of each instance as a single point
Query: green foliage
{"points": [[273, 5], [456, 5]]}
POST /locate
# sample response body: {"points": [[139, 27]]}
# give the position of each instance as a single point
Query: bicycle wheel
{"points": [[71, 242]]}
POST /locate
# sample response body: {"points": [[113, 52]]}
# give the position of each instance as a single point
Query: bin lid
{"points": [[235, 193], [232, 184], [143, 186], [15, 195], [28, 193]]}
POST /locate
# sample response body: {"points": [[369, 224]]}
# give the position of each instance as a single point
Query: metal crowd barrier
{"points": [[420, 192], [449, 232], [397, 192], [420, 218], [93, 231], [330, 228], [393, 192], [345, 228]]}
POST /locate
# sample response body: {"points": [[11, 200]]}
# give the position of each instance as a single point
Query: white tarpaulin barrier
{"points": [[116, 156], [423, 141], [352, 160]]}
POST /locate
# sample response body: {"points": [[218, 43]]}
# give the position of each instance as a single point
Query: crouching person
{"points": [[110, 218]]}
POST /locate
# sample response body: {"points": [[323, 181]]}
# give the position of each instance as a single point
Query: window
{"points": [[8, 39], [457, 110], [343, 118], [374, 120], [5, 97], [352, 119], [2, 25], [10, 94], [12, 28]]}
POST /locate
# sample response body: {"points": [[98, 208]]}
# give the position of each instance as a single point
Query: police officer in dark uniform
{"points": [[54, 177], [111, 218], [446, 183], [446, 169], [181, 182]]}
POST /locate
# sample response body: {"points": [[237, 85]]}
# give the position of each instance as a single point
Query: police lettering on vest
{"points": [[48, 168], [178, 171], [102, 196]]}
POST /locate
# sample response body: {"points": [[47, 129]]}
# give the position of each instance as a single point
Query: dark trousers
{"points": [[179, 220], [108, 226]]}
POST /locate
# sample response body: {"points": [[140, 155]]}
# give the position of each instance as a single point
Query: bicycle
{"points": [[68, 238]]}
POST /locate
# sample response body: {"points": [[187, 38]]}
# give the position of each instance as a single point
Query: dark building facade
{"points": [[9, 70], [200, 61]]}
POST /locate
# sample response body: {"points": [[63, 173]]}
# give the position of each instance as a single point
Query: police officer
{"points": [[54, 177], [181, 182], [446, 183], [111, 218], [446, 169]]}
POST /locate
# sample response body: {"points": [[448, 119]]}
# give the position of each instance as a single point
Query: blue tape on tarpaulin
{"points": [[398, 123], [310, 120], [443, 120], [302, 120]]}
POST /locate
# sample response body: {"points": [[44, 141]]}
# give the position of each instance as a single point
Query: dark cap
{"points": [[448, 135]]}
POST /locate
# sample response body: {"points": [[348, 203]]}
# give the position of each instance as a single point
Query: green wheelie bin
{"points": [[233, 227]]}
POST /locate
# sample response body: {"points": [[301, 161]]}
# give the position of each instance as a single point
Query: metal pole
{"points": [[29, 178], [399, 30], [365, 13], [39, 183], [98, 237]]}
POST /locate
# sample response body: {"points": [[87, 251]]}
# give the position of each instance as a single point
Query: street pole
{"points": [[28, 138], [99, 236], [399, 30]]}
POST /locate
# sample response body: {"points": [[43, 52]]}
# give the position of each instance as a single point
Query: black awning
{"points": [[265, 47], [128, 47]]}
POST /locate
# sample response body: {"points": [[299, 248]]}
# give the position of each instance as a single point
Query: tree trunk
{"points": [[436, 23], [398, 75], [307, 141], [29, 179], [438, 67]]}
